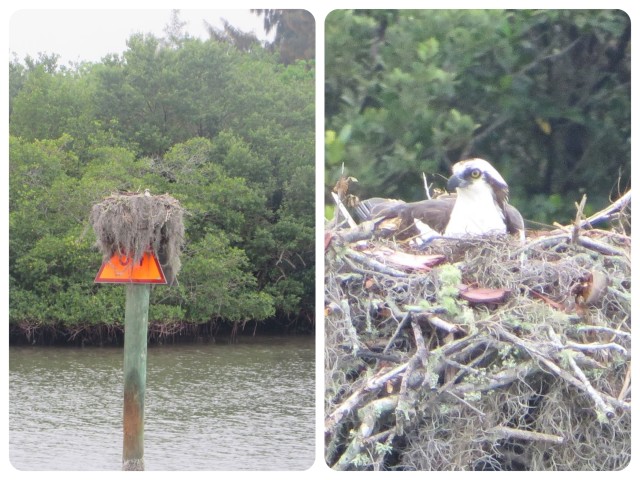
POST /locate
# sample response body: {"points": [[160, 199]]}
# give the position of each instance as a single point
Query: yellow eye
{"points": [[475, 173]]}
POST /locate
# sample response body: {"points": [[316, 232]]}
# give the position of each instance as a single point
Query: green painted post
{"points": [[136, 319]]}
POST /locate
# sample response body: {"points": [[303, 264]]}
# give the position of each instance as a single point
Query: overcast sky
{"points": [[89, 35]]}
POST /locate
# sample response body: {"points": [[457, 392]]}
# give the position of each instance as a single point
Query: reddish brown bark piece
{"points": [[328, 236], [483, 295]]}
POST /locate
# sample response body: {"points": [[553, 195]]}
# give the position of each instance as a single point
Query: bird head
{"points": [[477, 175]]}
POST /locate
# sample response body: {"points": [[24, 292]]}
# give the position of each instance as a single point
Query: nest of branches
{"points": [[132, 224], [480, 354]]}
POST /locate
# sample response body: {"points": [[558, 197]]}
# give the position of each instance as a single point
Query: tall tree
{"points": [[243, 41], [295, 33]]}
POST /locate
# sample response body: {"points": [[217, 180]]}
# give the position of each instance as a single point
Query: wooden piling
{"points": [[136, 319], [139, 235]]}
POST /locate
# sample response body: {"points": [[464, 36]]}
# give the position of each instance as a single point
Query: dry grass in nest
{"points": [[417, 378], [130, 224]]}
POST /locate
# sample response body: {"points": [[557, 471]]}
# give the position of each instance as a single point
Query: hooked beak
{"points": [[453, 183]]}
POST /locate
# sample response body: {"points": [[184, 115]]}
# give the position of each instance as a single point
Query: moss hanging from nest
{"points": [[130, 224]]}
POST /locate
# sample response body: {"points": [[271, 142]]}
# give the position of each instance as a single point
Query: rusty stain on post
{"points": [[135, 374]]}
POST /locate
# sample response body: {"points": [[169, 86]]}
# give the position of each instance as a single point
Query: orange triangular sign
{"points": [[121, 269]]}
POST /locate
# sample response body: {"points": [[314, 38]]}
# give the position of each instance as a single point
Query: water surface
{"points": [[243, 406]]}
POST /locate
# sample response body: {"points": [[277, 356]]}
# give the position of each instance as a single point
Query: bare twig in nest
{"points": [[597, 328], [374, 384], [370, 415], [601, 216], [426, 186], [368, 354], [343, 210], [626, 386], [598, 346], [544, 242], [421, 349], [480, 413], [405, 320], [373, 264], [581, 383], [404, 405], [579, 216], [443, 324], [352, 334], [508, 432], [364, 231], [603, 408], [601, 247], [605, 214]]}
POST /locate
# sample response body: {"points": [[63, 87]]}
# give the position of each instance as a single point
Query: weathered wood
{"points": [[508, 432], [136, 319]]}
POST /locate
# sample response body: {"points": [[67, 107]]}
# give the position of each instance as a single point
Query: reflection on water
{"points": [[244, 406]]}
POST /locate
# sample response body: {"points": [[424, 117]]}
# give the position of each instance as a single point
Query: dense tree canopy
{"points": [[543, 95], [228, 132]]}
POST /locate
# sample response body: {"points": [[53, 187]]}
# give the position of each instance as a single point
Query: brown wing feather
{"points": [[434, 212], [374, 208], [513, 219]]}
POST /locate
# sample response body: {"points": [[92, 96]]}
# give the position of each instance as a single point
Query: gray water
{"points": [[243, 406]]}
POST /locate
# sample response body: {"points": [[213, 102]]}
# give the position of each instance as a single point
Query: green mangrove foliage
{"points": [[545, 95], [229, 133]]}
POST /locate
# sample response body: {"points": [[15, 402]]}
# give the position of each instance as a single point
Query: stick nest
{"points": [[131, 224], [531, 373]]}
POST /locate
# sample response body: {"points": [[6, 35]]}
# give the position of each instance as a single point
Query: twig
{"points": [[625, 386], [378, 437], [405, 319], [442, 324], [343, 210], [499, 380], [601, 247], [378, 356], [528, 435], [597, 346], [596, 328], [462, 400], [419, 358], [575, 233], [543, 242], [605, 409], [374, 264], [351, 330], [598, 399], [370, 414], [555, 54], [373, 384], [604, 214], [586, 242], [363, 231], [426, 186], [421, 348]]}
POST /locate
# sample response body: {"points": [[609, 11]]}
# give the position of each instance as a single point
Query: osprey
{"points": [[479, 206]]}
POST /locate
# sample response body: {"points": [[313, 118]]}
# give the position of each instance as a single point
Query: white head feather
{"points": [[476, 211]]}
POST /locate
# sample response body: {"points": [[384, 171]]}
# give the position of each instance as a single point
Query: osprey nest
{"points": [[131, 224], [482, 353]]}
